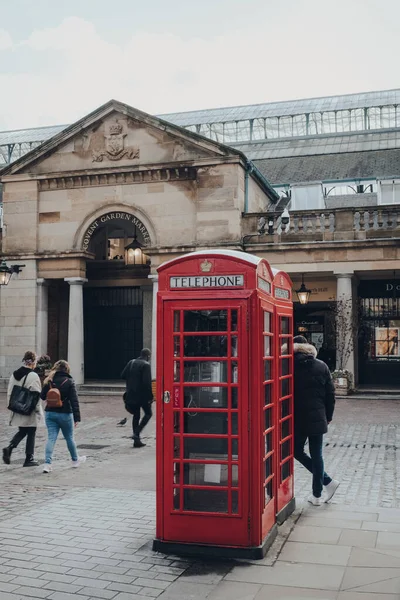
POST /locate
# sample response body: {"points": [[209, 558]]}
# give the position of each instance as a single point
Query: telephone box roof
{"points": [[243, 256]]}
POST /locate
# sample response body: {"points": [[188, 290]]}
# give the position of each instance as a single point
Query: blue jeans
{"points": [[55, 422], [313, 463]]}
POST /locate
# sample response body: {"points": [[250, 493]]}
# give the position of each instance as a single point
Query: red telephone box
{"points": [[221, 437]]}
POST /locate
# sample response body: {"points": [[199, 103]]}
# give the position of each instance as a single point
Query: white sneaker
{"points": [[77, 463], [315, 501], [47, 468], [330, 489]]}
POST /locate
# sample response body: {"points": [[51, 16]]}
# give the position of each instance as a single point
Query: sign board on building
{"points": [[207, 281], [321, 290], [114, 216]]}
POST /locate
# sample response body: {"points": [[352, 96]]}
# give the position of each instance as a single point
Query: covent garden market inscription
{"points": [[114, 216]]}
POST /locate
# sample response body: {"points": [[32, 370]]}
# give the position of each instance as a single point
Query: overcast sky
{"points": [[60, 60]]}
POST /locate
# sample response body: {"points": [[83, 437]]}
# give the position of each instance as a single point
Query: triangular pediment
{"points": [[117, 135]]}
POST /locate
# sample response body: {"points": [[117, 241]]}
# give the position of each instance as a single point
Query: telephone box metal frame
{"points": [[219, 425]]}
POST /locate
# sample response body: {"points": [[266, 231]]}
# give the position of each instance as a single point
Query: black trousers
{"points": [[30, 434], [313, 463], [137, 424]]}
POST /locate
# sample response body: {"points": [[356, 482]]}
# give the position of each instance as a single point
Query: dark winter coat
{"points": [[314, 394], [137, 375], [66, 385]]}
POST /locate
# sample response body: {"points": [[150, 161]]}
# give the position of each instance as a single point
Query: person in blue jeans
{"points": [[314, 403], [64, 418]]}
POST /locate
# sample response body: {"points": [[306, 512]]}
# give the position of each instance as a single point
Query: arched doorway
{"points": [[114, 295]]}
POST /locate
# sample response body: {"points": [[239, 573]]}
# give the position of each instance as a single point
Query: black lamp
{"points": [[134, 254], [6, 272], [303, 293]]}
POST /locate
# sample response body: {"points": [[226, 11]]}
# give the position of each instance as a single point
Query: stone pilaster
{"points": [[41, 317], [75, 328]]}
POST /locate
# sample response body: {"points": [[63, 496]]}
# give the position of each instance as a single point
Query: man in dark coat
{"points": [[139, 394], [314, 403]]}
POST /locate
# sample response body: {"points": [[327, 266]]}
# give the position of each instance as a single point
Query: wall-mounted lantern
{"points": [[7, 272]]}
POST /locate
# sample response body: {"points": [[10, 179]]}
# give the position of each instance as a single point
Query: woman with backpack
{"points": [[62, 412], [27, 424]]}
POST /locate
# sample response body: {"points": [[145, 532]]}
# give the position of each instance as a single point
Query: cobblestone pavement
{"points": [[86, 534]]}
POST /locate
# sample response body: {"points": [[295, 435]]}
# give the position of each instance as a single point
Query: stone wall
{"points": [[18, 305]]}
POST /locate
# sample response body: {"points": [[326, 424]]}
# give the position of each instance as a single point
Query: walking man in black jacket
{"points": [[314, 403], [139, 394]]}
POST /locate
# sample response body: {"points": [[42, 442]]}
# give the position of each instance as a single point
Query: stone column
{"points": [[147, 291], [345, 321], [75, 328], [42, 317], [154, 327]]}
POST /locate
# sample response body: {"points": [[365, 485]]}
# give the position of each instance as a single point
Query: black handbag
{"points": [[22, 400]]}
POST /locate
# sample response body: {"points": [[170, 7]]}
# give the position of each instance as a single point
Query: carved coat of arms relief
{"points": [[114, 145]]}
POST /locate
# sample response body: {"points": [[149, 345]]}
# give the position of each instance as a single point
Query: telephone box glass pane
{"points": [[268, 443], [268, 467], [234, 392], [267, 419], [285, 449], [234, 373], [285, 406], [177, 447], [176, 499], [235, 475], [235, 502], [286, 346], [285, 366], [205, 448], [207, 475], [177, 320], [234, 320], [206, 371], [177, 346], [285, 325], [267, 370], [234, 349], [206, 500], [267, 394], [235, 449], [285, 429], [177, 419], [234, 423], [205, 320], [205, 345], [285, 387], [205, 423], [267, 322], [285, 470], [177, 473], [177, 370], [267, 345], [205, 397], [268, 491]]}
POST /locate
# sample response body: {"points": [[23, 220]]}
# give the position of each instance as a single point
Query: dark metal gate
{"points": [[113, 320]]}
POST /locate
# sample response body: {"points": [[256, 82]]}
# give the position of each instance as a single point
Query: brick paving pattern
{"points": [[62, 541]]}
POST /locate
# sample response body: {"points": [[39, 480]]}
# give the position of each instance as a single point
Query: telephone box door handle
{"points": [[167, 397]]}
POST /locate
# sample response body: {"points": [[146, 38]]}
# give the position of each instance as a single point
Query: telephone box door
{"points": [[285, 436], [205, 422], [268, 418]]}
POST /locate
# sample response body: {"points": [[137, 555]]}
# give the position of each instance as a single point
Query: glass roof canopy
{"points": [[254, 123]]}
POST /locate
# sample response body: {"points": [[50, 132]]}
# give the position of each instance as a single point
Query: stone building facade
{"points": [[73, 205]]}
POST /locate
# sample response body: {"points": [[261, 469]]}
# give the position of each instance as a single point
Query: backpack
{"points": [[53, 396]]}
